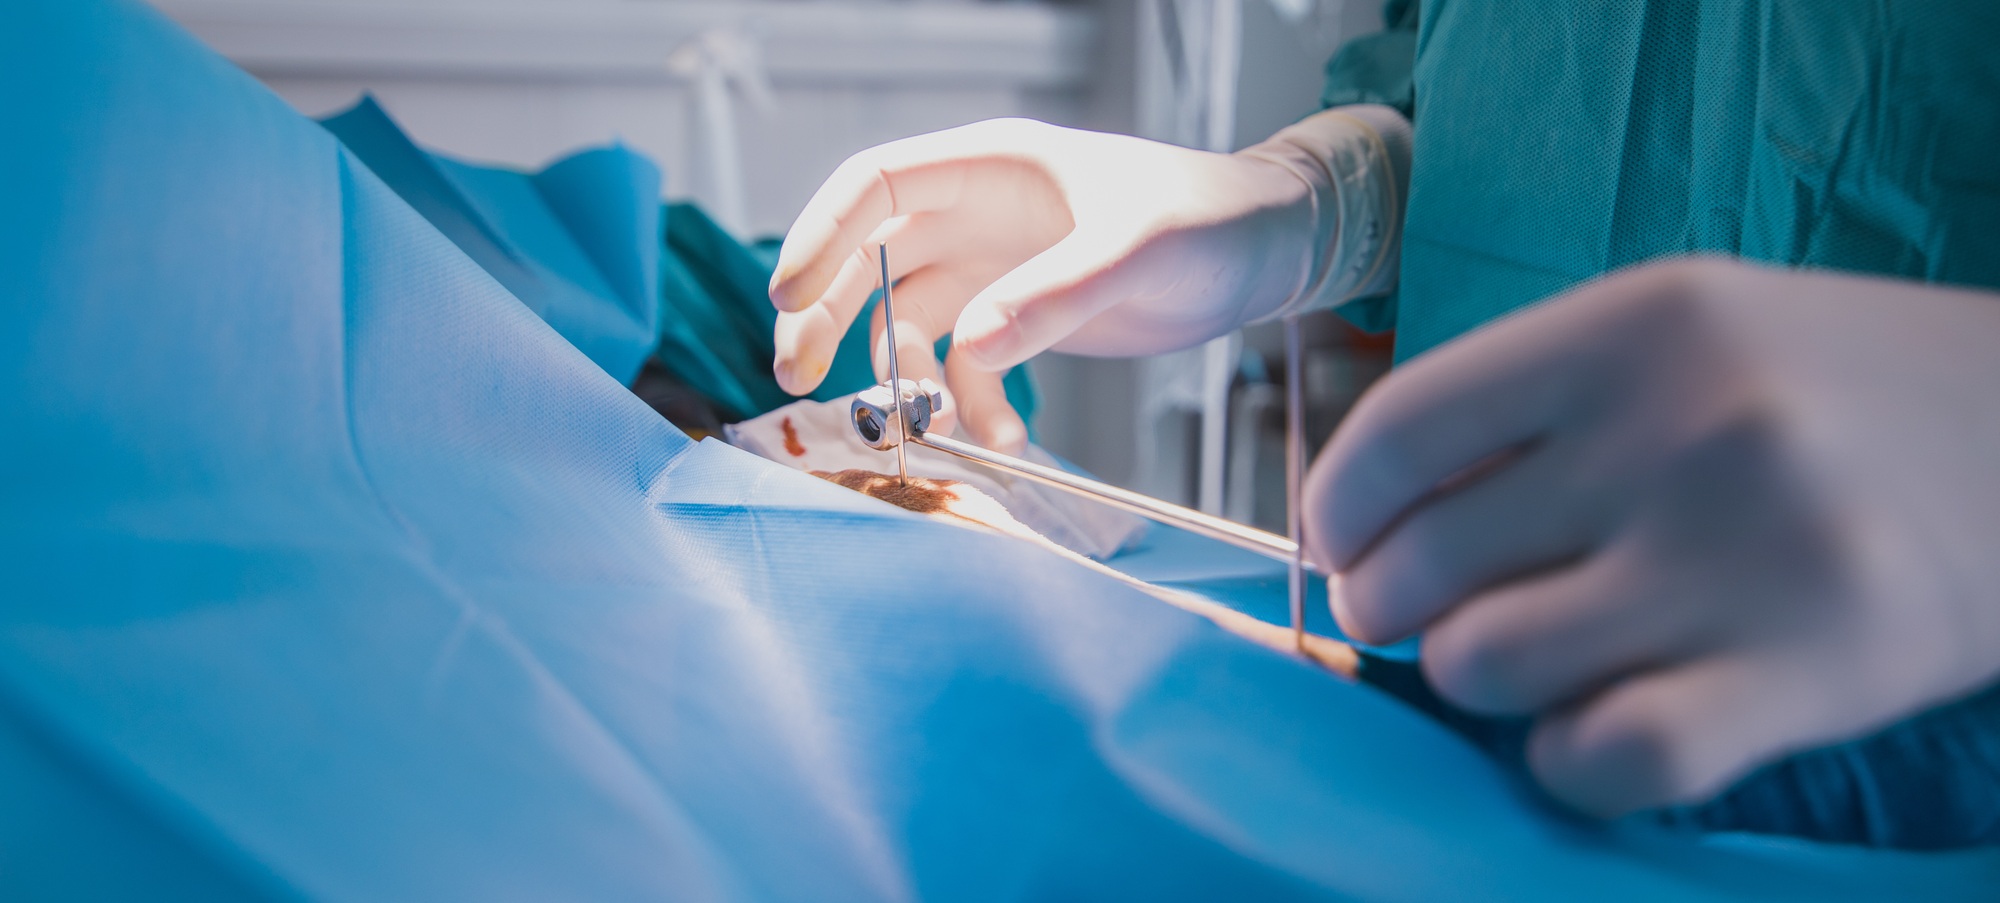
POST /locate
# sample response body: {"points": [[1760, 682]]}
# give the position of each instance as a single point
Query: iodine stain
{"points": [[924, 496], [792, 444]]}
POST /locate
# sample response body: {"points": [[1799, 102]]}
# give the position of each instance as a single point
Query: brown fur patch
{"points": [[924, 496]]}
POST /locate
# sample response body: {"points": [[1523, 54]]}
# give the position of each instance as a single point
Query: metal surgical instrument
{"points": [[895, 376], [1295, 469], [885, 416]]}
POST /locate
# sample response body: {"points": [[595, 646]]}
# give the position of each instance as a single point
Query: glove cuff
{"points": [[1356, 162]]}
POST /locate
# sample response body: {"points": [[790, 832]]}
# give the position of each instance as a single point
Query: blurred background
{"points": [[748, 104]]}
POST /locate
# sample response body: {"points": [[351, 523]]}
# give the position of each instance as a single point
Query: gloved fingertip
{"points": [[988, 339], [796, 377], [1006, 434], [1349, 615], [796, 281], [785, 294], [784, 271], [1599, 771], [798, 285], [1336, 602], [993, 425]]}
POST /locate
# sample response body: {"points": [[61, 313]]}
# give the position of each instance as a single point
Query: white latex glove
{"points": [[1758, 512], [1016, 236]]}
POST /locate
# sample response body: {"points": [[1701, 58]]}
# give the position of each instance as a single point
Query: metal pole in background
{"points": [[895, 375], [1224, 58], [1295, 470], [1189, 64]]}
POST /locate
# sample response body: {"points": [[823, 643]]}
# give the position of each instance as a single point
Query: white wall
{"points": [[1284, 61], [522, 81]]}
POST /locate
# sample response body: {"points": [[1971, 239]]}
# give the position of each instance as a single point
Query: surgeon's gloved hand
{"points": [[1014, 236], [1725, 513]]}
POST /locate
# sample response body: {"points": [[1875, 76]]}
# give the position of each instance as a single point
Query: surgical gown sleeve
{"points": [[1930, 782], [1376, 69]]}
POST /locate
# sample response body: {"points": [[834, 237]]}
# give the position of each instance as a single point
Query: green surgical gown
{"points": [[1558, 141]]}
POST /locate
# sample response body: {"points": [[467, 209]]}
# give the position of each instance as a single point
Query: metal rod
{"points": [[1267, 544], [1295, 465], [895, 376]]}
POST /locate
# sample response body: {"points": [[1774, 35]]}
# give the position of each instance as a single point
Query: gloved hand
{"points": [[1747, 512], [1015, 236]]}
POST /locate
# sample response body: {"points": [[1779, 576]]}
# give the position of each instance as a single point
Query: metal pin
{"points": [[895, 376], [1295, 462], [1288, 549], [1269, 545]]}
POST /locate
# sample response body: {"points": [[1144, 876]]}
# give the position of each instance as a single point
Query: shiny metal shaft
{"points": [[1295, 466], [1267, 544], [895, 376]]}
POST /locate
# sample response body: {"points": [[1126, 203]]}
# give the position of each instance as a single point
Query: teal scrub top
{"points": [[1558, 141]]}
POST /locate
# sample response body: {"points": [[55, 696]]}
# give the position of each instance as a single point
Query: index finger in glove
{"points": [[984, 412], [1044, 300], [923, 173], [1677, 735], [806, 339], [1440, 422], [1528, 518]]}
